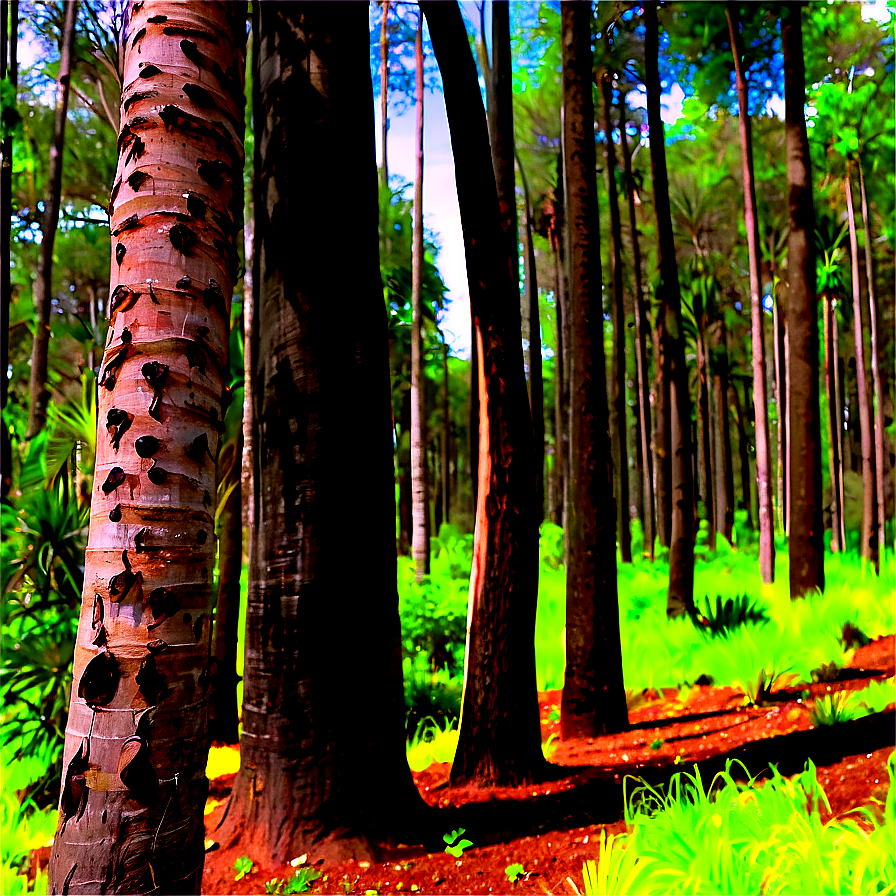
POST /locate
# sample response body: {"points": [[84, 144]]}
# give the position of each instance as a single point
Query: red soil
{"points": [[553, 827]]}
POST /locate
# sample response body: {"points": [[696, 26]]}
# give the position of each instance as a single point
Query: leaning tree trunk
{"points": [[834, 461], [593, 700], [43, 282], [500, 739], [723, 478], [868, 544], [323, 766], [881, 468], [681, 549], [760, 396], [419, 483], [642, 336], [804, 481], [619, 431], [134, 786]]}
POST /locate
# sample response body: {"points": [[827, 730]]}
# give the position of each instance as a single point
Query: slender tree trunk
{"points": [[536, 381], [722, 466], [446, 439], [869, 489], [475, 375], [618, 405], [134, 784], [560, 452], [806, 524], [760, 395], [782, 413], [833, 441], [642, 336], [419, 484], [743, 447], [563, 360], [43, 283], [593, 700], [837, 364], [384, 99], [8, 72], [250, 353], [317, 773], [681, 549], [500, 738], [879, 455], [705, 423]]}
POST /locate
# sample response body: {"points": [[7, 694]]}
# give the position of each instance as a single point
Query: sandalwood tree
{"points": [[134, 785]]}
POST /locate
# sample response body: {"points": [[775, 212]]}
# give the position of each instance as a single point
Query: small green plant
{"points": [[515, 872], [243, 866], [724, 615], [549, 747], [456, 846], [657, 744], [832, 709]]}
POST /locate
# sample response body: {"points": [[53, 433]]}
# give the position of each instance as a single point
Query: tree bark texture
{"points": [[642, 337], [705, 425], [562, 361], [593, 700], [834, 460], [134, 786], [804, 480], [879, 455], [681, 548], [317, 774], [419, 477], [743, 447], [723, 478], [760, 394], [384, 98], [868, 544], [618, 404], [781, 402], [43, 282], [837, 379], [500, 738], [446, 440]]}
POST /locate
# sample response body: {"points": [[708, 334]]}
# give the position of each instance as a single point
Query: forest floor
{"points": [[552, 828]]}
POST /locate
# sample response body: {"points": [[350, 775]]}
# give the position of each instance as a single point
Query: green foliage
{"points": [[431, 743], [727, 614], [832, 709], [300, 882], [515, 872], [456, 845], [23, 828], [242, 866]]}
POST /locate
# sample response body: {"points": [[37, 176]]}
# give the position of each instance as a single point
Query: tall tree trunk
{"points": [[384, 99], [834, 463], [869, 489], [316, 774], [475, 375], [806, 524], [705, 420], [560, 452], [500, 737], [419, 477], [722, 466], [879, 455], [760, 395], [43, 282], [562, 361], [662, 462], [782, 412], [642, 336], [681, 549], [446, 440], [593, 700], [743, 447], [618, 404], [837, 363], [134, 786], [536, 380], [10, 74]]}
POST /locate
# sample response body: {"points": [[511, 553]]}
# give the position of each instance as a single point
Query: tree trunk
{"points": [[134, 786], [868, 545], [642, 336], [781, 402], [879, 455], [500, 737], [681, 549], [384, 99], [593, 700], [705, 421], [536, 381], [723, 479], [662, 462], [837, 363], [446, 439], [760, 395], [562, 361], [9, 73], [323, 763], [43, 282], [806, 524], [618, 405], [743, 447], [833, 442], [475, 375], [419, 483], [560, 451]]}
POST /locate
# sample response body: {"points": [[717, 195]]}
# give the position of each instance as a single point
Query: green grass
{"points": [[22, 829], [733, 837]]}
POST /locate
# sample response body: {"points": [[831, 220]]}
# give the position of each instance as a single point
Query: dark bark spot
{"points": [[157, 646], [152, 295], [142, 94], [74, 790], [120, 250], [128, 224], [138, 540], [195, 206], [157, 20], [99, 639], [126, 335], [198, 626], [212, 172], [212, 295], [187, 618], [119, 356], [115, 514], [99, 681], [201, 536], [138, 147], [191, 51], [182, 238], [196, 358], [155, 373], [206, 500], [113, 480], [140, 34], [198, 448], [121, 583], [183, 283], [202, 332], [170, 116], [199, 95], [162, 605], [150, 71], [135, 770], [151, 682], [98, 611], [137, 179], [156, 474], [117, 424], [172, 30], [146, 446], [122, 298]]}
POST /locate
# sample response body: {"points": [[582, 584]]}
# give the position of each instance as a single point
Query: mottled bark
{"points": [[868, 543], [316, 774], [681, 548], [760, 394], [593, 700], [43, 282], [419, 471], [723, 478], [804, 480], [642, 337], [835, 464], [618, 425], [500, 737], [134, 786]]}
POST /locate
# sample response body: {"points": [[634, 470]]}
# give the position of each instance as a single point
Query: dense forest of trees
{"points": [[223, 338]]}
